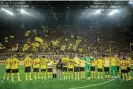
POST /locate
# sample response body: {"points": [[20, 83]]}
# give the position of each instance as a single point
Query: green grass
{"points": [[61, 84]]}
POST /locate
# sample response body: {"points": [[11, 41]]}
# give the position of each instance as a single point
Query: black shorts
{"points": [[70, 69], [27, 69], [123, 71], [99, 70], [82, 69], [49, 69], [106, 69], [43, 70], [14, 70], [128, 69], [92, 68], [76, 69], [118, 68], [64, 69], [8, 70], [36, 69]]}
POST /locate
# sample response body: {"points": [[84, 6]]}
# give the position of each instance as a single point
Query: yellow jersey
{"points": [[123, 65], [44, 62], [8, 63], [15, 63], [27, 62], [129, 61], [76, 62], [100, 63], [118, 62], [70, 63], [36, 63], [113, 61], [54, 63], [106, 62], [65, 61], [93, 63], [82, 63]]}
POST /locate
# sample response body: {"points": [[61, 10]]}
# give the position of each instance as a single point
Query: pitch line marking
{"points": [[93, 85]]}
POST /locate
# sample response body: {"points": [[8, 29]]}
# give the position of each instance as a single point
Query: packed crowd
{"points": [[66, 39]]}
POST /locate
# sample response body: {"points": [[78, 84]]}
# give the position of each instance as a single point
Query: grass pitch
{"points": [[63, 84]]}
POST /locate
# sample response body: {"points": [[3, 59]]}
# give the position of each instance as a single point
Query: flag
{"points": [[63, 47], [45, 29], [11, 36], [72, 36], [34, 48], [45, 45], [1, 46], [66, 40], [74, 47], [55, 43], [38, 39], [26, 47], [34, 32], [70, 45], [81, 50], [6, 39], [27, 33], [78, 41], [37, 44]]}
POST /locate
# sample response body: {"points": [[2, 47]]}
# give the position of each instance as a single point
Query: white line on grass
{"points": [[93, 85]]}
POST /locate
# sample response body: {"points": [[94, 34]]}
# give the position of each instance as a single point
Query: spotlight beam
{"points": [[7, 11], [113, 12], [23, 12], [98, 12]]}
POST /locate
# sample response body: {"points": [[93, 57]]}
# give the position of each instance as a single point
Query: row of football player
{"points": [[72, 68]]}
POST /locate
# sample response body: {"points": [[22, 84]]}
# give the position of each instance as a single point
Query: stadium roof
{"points": [[63, 10]]}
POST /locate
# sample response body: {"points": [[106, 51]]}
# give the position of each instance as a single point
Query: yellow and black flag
{"points": [[63, 47], [27, 33], [55, 43], [26, 47], [38, 39]]}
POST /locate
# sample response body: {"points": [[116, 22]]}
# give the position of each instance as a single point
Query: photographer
{"points": [[59, 69]]}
